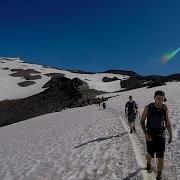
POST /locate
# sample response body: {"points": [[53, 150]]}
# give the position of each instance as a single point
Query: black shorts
{"points": [[156, 146], [131, 118]]}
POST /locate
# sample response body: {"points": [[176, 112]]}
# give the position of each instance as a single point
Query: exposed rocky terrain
{"points": [[138, 81], [60, 93]]}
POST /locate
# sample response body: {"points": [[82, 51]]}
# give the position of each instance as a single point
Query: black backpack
{"points": [[156, 119], [131, 108]]}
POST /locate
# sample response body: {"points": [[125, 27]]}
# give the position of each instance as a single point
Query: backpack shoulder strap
{"points": [[164, 110], [150, 108]]}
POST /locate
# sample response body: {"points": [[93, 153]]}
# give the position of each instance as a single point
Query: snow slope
{"points": [[86, 143], [82, 143], [9, 89]]}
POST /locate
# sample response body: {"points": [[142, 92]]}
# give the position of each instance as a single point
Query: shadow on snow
{"points": [[102, 139], [133, 174]]}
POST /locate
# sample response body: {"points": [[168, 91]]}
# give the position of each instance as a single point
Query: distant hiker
{"points": [[157, 115], [131, 113], [104, 105], [99, 102]]}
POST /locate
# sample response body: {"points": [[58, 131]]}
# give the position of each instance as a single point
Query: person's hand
{"points": [[148, 137], [170, 139]]}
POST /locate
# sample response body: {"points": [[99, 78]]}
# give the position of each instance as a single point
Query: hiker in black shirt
{"points": [[157, 120], [104, 105], [131, 113]]}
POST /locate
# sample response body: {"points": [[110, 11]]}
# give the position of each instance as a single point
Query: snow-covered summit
{"points": [[10, 59], [87, 143], [11, 90], [80, 143]]}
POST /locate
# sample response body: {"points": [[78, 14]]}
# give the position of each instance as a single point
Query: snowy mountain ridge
{"points": [[84, 142], [94, 80]]}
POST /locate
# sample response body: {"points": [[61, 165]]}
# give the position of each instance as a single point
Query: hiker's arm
{"points": [[126, 107], [143, 119], [136, 108], [126, 112], [168, 125]]}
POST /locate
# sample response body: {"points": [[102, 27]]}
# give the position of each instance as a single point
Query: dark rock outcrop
{"points": [[107, 79], [137, 81], [132, 83], [6, 68], [23, 72], [60, 93], [173, 77], [155, 84], [26, 83]]}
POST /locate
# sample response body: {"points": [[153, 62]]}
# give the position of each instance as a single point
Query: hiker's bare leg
{"points": [[148, 158], [160, 166], [148, 167], [131, 127], [133, 123]]}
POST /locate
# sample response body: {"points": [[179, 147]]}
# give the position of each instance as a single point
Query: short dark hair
{"points": [[130, 97], [160, 93]]}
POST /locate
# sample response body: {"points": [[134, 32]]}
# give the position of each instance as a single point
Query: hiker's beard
{"points": [[159, 103]]}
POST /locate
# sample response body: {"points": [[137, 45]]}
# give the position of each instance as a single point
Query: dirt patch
{"points": [[60, 93], [6, 68], [23, 72], [26, 83]]}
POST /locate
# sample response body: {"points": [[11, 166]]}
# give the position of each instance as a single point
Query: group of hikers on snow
{"points": [[154, 121], [101, 100], [131, 113]]}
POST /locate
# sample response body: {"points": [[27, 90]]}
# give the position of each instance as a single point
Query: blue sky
{"points": [[92, 35]]}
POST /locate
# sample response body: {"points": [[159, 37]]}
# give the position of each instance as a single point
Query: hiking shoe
{"points": [[159, 176], [148, 168], [131, 131], [134, 129]]}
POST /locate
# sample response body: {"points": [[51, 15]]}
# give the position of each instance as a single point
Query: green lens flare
{"points": [[167, 57]]}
